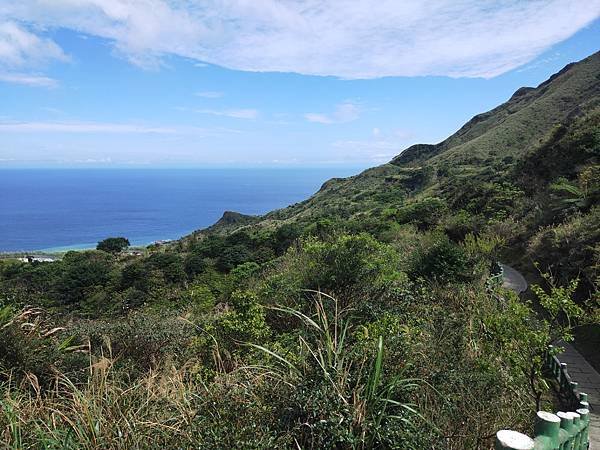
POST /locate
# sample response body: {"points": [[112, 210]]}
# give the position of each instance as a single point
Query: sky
{"points": [[261, 83]]}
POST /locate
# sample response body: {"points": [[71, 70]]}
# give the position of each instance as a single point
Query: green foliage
{"points": [[32, 347], [169, 264], [442, 261], [285, 236], [349, 261], [138, 342], [570, 249], [202, 298], [82, 273], [487, 244], [338, 398], [523, 337], [425, 213], [562, 313], [113, 245], [232, 257], [194, 264]]}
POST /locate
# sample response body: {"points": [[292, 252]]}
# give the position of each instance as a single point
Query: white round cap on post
{"points": [[513, 440], [548, 416]]}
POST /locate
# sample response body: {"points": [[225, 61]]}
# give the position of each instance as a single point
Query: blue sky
{"points": [[173, 83]]}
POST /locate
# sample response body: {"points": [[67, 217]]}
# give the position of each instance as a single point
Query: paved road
{"points": [[581, 371], [588, 381]]}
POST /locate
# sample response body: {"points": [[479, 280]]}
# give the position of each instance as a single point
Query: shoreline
{"points": [[61, 250]]}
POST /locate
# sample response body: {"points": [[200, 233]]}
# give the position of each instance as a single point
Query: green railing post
{"points": [[512, 440], [547, 428], [583, 400], [560, 431], [585, 426], [562, 379], [577, 431], [566, 424]]}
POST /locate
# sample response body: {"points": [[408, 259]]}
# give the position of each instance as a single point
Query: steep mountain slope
{"points": [[519, 123], [486, 148], [501, 172]]}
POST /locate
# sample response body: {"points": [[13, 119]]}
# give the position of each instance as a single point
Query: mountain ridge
{"points": [[509, 130]]}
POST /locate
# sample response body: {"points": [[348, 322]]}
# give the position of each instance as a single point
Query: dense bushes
{"points": [[442, 261], [256, 358], [425, 213], [570, 249], [348, 261]]}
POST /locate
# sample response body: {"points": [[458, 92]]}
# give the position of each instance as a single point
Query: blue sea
{"points": [[61, 209]]}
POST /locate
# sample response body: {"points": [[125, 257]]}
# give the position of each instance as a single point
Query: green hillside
{"points": [[496, 171], [367, 316]]}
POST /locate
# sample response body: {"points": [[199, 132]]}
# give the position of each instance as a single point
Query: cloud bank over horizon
{"points": [[342, 38]]}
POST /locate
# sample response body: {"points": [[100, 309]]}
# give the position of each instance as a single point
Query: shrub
{"points": [[32, 347], [425, 213], [349, 261], [443, 261], [113, 245], [81, 274], [194, 264], [170, 264], [140, 341], [232, 257]]}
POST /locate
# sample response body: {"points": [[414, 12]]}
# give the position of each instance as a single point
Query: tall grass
{"points": [[359, 381], [172, 408], [106, 412]]}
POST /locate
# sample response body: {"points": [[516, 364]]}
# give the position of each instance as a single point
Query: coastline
{"points": [[61, 250]]}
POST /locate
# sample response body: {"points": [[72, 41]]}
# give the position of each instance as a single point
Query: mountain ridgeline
{"points": [[528, 167]]}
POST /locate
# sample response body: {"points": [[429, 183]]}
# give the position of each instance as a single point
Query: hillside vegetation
{"points": [[363, 317]]}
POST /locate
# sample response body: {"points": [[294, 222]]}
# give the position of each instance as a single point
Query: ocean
{"points": [[61, 209]]}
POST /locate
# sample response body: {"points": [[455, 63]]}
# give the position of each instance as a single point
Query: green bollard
{"points": [[512, 440], [563, 438], [566, 425], [562, 379], [547, 428], [576, 430], [585, 426], [583, 400]]}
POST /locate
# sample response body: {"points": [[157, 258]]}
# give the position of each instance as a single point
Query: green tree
{"points": [[444, 261], [113, 245], [523, 337], [82, 273]]}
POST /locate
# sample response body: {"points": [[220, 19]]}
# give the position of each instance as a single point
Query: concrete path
{"points": [[587, 378], [588, 381]]}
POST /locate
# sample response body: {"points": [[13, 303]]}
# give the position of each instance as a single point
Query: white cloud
{"points": [[367, 145], [344, 112], [80, 127], [28, 80], [380, 147], [234, 113], [209, 94], [21, 50], [77, 127], [344, 38]]}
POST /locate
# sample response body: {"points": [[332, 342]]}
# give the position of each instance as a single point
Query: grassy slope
{"points": [[511, 130]]}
